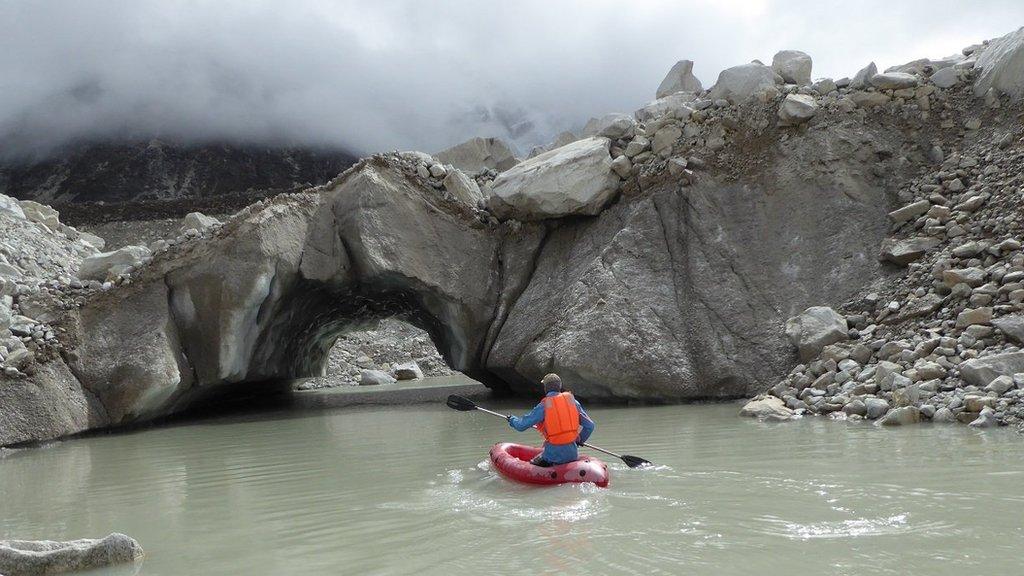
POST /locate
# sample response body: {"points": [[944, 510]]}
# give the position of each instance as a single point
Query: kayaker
{"points": [[559, 418]]}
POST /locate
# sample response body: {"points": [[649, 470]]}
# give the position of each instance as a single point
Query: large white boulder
{"points": [[98, 266], [815, 328], [797, 109], [478, 154], [794, 66], [615, 125], [679, 79], [738, 83], [677, 105], [1001, 66], [573, 179]]}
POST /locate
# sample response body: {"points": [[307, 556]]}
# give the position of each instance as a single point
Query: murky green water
{"points": [[407, 490]]}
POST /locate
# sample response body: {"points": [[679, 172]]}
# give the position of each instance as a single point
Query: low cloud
{"points": [[378, 75]]}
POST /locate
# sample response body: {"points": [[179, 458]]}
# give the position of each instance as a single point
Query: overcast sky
{"points": [[378, 75]]}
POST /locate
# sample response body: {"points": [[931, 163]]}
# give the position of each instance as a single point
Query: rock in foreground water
{"points": [[39, 557]]}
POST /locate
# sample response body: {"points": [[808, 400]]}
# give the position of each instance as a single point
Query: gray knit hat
{"points": [[552, 383]]}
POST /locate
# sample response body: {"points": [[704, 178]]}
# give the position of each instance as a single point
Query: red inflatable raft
{"points": [[513, 462]]}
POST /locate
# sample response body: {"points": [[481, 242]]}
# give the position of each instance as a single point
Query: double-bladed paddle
{"points": [[464, 404]]}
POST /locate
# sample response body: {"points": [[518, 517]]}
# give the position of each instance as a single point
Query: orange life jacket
{"points": [[561, 419]]}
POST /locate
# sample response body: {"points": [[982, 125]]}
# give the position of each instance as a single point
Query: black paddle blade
{"points": [[635, 461], [460, 403]]}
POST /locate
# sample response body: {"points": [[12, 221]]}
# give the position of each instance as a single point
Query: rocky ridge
{"points": [[732, 210]]}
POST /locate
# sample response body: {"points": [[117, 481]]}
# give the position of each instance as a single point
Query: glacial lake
{"points": [[409, 490]]}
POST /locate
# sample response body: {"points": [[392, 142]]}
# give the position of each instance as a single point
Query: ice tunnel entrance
{"points": [[391, 346]]}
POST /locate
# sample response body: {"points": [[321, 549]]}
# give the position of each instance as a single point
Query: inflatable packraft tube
{"points": [[513, 462]]}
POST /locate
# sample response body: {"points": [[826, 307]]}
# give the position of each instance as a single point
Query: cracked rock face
{"points": [[682, 295]]}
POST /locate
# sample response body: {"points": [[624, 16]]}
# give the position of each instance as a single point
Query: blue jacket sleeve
{"points": [[586, 423], [535, 416]]}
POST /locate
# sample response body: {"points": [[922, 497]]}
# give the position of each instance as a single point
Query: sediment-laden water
{"points": [[408, 490]]}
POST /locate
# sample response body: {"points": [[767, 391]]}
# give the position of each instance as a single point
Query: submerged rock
{"points": [[39, 557]]}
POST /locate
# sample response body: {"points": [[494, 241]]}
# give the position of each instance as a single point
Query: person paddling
{"points": [[558, 418]]}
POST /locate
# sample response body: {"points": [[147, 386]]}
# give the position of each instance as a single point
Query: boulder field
{"points": [[657, 259]]}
